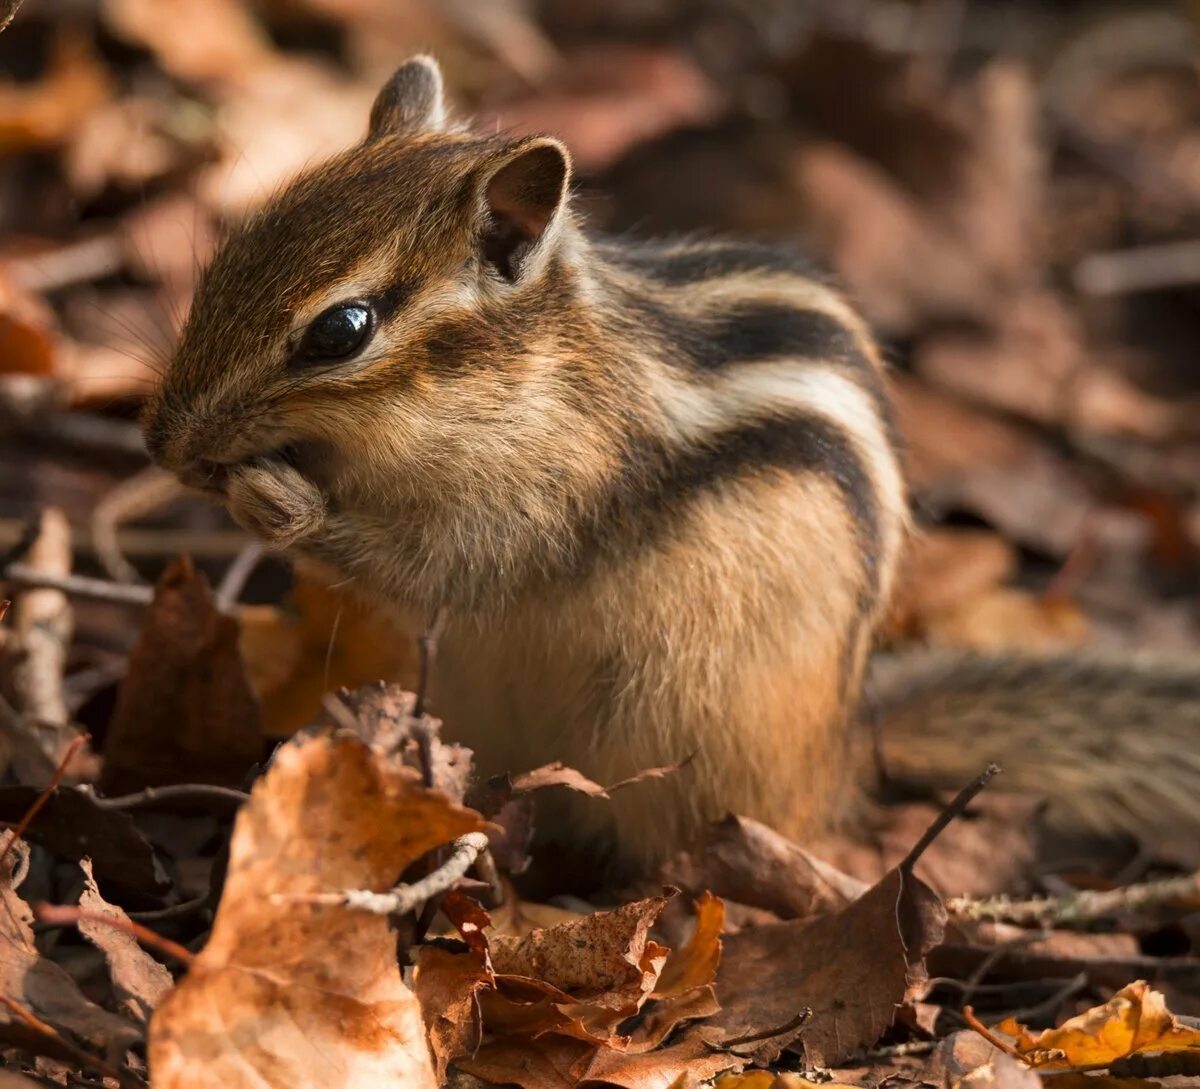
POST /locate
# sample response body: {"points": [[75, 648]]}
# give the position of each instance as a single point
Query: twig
{"points": [[1084, 906], [23, 825], [237, 574], [220, 544], [72, 263], [1050, 1004], [956, 808], [62, 915], [427, 650], [973, 1022], [1141, 268], [146, 491], [766, 1034], [152, 796], [116, 593], [43, 625], [84, 1058], [8, 8], [403, 898]]}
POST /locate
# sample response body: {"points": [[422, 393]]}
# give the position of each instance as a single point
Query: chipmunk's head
{"points": [[380, 306]]}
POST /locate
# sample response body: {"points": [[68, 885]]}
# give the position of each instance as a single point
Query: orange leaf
{"points": [[1135, 1019]]}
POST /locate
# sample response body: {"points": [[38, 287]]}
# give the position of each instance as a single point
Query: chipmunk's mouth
{"points": [[213, 476]]}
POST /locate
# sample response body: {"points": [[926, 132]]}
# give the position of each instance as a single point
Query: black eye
{"points": [[336, 333]]}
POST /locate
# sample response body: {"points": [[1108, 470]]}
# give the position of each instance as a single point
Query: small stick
{"points": [[957, 806], [1142, 268], [143, 493], [973, 1022], [217, 544], [1084, 906], [178, 792], [402, 898], [62, 915], [23, 826], [8, 9], [83, 1058], [117, 593], [237, 574], [427, 648], [767, 1034]]}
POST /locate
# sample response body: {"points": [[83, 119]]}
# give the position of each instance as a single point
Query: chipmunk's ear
{"points": [[523, 196], [412, 101]]}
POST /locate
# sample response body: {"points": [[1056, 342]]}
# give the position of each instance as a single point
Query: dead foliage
{"points": [[1016, 214]]}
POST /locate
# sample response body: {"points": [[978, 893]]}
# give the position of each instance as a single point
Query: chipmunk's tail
{"points": [[1112, 743]]}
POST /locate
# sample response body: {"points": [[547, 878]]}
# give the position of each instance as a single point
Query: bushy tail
{"points": [[1112, 743]]}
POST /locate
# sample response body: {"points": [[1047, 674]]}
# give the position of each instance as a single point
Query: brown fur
{"points": [[653, 486]]}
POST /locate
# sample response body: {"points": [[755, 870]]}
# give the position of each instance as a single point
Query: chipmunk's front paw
{"points": [[275, 502]]}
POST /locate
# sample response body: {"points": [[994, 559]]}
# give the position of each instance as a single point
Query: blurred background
{"points": [[1010, 191]]}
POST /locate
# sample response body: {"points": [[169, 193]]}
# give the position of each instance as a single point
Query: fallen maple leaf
{"points": [[1135, 1019], [289, 994]]}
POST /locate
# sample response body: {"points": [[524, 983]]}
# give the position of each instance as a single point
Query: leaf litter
{"points": [[995, 213]]}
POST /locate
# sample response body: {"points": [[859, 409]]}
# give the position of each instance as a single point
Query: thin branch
{"points": [[84, 1058], [956, 808], [427, 648], [1141, 268], [24, 577], [23, 825], [403, 898], [152, 796], [8, 8], [61, 915], [1084, 906], [219, 544], [973, 1022], [237, 574]]}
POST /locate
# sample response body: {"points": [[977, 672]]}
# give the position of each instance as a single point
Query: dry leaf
{"points": [[50, 110], [961, 457], [27, 337], [185, 712], [285, 115], [852, 968], [1006, 618], [986, 851], [741, 859], [580, 979], [290, 995], [608, 99], [321, 639], [1001, 1072], [943, 570], [43, 986], [221, 42], [556, 1062], [139, 981], [1135, 1019]]}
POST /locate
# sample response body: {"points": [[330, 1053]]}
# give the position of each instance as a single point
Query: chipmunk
{"points": [[653, 487]]}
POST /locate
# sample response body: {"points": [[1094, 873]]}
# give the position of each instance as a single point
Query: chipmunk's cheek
{"points": [[275, 502]]}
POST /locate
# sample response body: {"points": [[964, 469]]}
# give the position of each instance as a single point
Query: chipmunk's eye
{"points": [[336, 333]]}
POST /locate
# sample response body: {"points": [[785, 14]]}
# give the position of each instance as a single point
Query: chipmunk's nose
{"points": [[182, 451]]}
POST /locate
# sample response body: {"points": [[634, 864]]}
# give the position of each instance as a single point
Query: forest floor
{"points": [[1010, 193]]}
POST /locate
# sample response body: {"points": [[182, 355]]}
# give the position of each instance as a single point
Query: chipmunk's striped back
{"points": [[652, 487]]}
